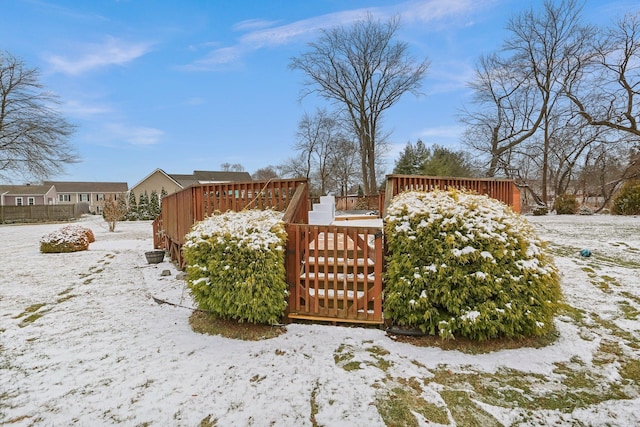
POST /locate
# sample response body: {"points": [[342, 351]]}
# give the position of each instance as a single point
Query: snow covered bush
{"points": [[71, 238], [627, 199], [235, 265], [585, 210], [466, 265]]}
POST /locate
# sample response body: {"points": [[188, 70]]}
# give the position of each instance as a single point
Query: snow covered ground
{"points": [[83, 343]]}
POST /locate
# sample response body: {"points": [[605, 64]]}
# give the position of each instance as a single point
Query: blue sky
{"points": [[189, 85]]}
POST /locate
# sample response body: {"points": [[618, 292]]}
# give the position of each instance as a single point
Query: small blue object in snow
{"points": [[585, 253]]}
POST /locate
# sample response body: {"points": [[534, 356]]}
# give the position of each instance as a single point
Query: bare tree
{"points": [[608, 91], [344, 158], [33, 134], [317, 138], [266, 173], [507, 112], [548, 44], [228, 167], [365, 71]]}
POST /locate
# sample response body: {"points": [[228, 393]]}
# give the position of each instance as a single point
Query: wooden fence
{"points": [[37, 213], [504, 190]]}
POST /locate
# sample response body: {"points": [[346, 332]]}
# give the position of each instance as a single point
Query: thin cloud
{"points": [[135, 135], [262, 34], [112, 51], [253, 24], [82, 110], [444, 132]]}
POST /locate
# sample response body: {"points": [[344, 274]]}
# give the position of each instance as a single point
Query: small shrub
{"points": [[565, 204], [627, 199], [235, 266], [466, 265], [71, 238], [540, 210], [585, 210]]}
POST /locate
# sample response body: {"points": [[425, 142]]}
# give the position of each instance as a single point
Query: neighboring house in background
{"points": [[27, 195], [91, 193], [172, 183]]}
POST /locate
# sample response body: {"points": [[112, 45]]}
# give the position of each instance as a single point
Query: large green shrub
{"points": [[466, 265], [235, 265], [565, 204], [627, 199]]}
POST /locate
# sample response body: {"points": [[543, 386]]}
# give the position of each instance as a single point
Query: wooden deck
{"points": [[334, 272]]}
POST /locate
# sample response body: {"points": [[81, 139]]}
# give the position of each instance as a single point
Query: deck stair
{"points": [[338, 277]]}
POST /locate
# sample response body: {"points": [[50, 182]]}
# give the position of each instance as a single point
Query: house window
{"points": [[84, 197], [18, 201], [64, 197], [99, 197], [31, 201]]}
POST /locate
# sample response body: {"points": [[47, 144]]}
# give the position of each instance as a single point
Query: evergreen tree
{"points": [[442, 161], [163, 194], [154, 205], [411, 159], [143, 207], [132, 213]]}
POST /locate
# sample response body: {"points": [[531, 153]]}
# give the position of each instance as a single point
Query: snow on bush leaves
{"points": [[466, 265], [235, 265], [71, 238]]}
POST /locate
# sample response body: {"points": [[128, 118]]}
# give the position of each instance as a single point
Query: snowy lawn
{"points": [[82, 342]]}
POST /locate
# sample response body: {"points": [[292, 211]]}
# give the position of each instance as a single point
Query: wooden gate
{"points": [[335, 273]]}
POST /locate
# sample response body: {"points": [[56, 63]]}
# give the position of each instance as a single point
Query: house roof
{"points": [[221, 176], [151, 174], [183, 180], [200, 177], [25, 190], [89, 187]]}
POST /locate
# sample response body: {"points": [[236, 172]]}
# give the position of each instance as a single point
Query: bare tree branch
{"points": [[33, 134], [365, 71]]}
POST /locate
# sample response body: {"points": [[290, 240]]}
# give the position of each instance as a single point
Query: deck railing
{"points": [[183, 209], [504, 190]]}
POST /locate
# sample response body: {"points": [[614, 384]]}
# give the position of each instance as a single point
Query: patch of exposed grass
{"points": [[30, 319], [628, 337], [630, 371], [602, 285], [465, 412], [31, 309], [208, 421], [31, 314], [629, 311], [207, 323], [378, 353], [618, 262], [632, 297], [573, 386], [65, 298], [608, 352], [257, 378], [314, 405], [398, 405]]}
